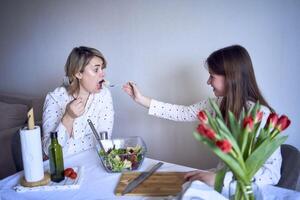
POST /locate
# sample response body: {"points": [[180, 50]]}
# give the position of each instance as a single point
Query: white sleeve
{"points": [[178, 112], [106, 115], [52, 115]]}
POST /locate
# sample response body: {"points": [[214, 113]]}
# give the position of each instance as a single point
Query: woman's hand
{"points": [[74, 109], [132, 90], [204, 176]]}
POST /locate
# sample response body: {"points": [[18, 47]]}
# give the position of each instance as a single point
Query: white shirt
{"points": [[269, 173], [99, 109]]}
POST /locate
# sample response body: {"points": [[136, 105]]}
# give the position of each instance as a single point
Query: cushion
{"points": [[7, 166], [12, 115]]}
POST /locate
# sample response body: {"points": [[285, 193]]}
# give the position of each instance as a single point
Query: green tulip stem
{"points": [[274, 133]]}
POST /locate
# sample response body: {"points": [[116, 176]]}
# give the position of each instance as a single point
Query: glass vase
{"points": [[244, 191]]}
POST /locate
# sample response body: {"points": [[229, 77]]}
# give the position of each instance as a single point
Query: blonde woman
{"points": [[68, 107]]}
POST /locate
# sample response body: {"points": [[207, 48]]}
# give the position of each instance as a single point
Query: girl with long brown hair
{"points": [[233, 81]]}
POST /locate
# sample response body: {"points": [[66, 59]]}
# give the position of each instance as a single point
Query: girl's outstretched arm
{"points": [[132, 90]]}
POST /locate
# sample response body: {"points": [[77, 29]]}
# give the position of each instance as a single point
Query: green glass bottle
{"points": [[56, 159]]}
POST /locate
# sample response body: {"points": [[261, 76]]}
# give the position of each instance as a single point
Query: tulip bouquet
{"points": [[242, 145]]}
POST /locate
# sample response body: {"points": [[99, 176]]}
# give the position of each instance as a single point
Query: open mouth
{"points": [[100, 84]]}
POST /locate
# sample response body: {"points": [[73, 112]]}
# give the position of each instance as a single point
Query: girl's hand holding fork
{"points": [[132, 90]]}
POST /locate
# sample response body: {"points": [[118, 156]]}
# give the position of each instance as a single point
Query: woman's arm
{"points": [[166, 110], [74, 109], [177, 112], [52, 115]]}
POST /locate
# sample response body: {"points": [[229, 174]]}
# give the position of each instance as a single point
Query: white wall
{"points": [[161, 45]]}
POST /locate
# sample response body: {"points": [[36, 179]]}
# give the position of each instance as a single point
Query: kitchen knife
{"points": [[141, 178]]}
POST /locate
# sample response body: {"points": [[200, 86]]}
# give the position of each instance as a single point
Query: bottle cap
{"points": [[53, 135]]}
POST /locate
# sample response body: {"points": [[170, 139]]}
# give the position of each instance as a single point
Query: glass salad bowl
{"points": [[122, 154]]}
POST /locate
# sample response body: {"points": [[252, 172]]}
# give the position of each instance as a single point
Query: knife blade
{"points": [[141, 178]]}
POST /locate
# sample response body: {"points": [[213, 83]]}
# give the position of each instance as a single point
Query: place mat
{"points": [[63, 185]]}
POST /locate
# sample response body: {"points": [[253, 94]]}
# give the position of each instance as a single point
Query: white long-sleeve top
{"points": [[98, 108], [269, 173]]}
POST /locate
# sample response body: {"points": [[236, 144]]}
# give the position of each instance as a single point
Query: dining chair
{"points": [[290, 168]]}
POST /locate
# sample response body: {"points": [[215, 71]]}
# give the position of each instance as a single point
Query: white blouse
{"points": [[269, 173], [99, 109]]}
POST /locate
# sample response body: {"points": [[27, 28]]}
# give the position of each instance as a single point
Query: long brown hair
{"points": [[235, 64], [78, 59]]}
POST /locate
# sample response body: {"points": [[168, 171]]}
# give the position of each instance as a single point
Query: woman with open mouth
{"points": [[83, 96]]}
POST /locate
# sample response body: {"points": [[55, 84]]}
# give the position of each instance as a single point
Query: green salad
{"points": [[117, 160]]}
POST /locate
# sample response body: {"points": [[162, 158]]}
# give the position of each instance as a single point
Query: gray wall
{"points": [[161, 45]]}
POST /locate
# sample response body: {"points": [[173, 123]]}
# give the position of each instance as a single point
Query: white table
{"points": [[98, 184]]}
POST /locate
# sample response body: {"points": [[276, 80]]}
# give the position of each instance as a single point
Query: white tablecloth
{"points": [[98, 184]]}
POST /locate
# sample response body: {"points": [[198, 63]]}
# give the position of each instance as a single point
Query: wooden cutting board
{"points": [[158, 184]]}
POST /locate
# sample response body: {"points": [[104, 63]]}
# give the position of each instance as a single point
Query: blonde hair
{"points": [[78, 59]]}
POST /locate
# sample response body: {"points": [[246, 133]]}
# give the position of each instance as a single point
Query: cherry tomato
{"points": [[68, 172], [73, 175]]}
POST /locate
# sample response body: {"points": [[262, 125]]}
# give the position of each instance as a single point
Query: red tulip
{"points": [[283, 122], [201, 129], [258, 117], [248, 123], [271, 121], [207, 132], [224, 145], [210, 134], [203, 117]]}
